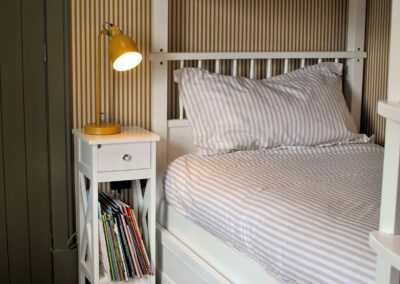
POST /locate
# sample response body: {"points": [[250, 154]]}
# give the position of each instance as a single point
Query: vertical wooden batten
{"points": [[222, 26], [59, 26], [125, 95], [13, 143], [4, 268], [25, 155], [376, 67], [36, 139], [253, 26]]}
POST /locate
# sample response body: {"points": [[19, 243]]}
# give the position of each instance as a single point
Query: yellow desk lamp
{"points": [[124, 56]]}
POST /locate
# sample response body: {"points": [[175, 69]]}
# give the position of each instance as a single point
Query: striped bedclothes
{"points": [[303, 213], [304, 107]]}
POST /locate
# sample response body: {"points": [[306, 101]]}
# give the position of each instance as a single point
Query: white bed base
{"points": [[386, 241], [186, 253], [228, 264]]}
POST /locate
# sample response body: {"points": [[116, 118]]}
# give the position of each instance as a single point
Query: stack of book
{"points": [[122, 252]]}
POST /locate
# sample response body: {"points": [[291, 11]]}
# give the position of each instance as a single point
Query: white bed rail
{"points": [[177, 133], [268, 58], [177, 56]]}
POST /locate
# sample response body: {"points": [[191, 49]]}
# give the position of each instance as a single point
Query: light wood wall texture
{"points": [[218, 25], [376, 67], [124, 94], [253, 25]]}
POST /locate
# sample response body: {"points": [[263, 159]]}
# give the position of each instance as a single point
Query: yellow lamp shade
{"points": [[123, 52]]}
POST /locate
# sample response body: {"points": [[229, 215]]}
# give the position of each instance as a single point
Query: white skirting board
{"points": [[189, 254]]}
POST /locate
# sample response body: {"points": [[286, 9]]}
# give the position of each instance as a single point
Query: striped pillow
{"points": [[305, 107]]}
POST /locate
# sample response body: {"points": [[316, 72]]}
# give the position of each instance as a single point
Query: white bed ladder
{"points": [[386, 241]]}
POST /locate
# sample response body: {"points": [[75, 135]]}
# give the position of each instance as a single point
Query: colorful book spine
{"points": [[122, 252], [104, 260], [108, 244], [140, 242]]}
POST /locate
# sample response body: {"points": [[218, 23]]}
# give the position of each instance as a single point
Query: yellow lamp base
{"points": [[103, 128]]}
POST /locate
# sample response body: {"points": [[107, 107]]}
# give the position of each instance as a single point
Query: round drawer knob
{"points": [[126, 157]]}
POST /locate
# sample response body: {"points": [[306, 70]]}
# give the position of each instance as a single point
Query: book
{"points": [[103, 254], [123, 254], [108, 244]]}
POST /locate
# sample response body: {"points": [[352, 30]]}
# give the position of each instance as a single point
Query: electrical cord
{"points": [[72, 242]]}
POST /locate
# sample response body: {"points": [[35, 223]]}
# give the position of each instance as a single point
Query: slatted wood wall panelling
{"points": [[219, 25], [125, 94], [36, 140], [13, 142], [253, 25], [376, 67], [24, 142], [58, 21], [3, 223]]}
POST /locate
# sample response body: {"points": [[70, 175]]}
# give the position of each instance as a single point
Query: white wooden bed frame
{"points": [[187, 253]]}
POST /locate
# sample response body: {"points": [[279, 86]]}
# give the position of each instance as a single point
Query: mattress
{"points": [[304, 213]]}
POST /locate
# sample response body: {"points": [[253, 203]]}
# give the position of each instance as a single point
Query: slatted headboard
{"points": [[179, 136], [176, 137]]}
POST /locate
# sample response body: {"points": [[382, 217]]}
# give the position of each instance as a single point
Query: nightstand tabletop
{"points": [[128, 134]]}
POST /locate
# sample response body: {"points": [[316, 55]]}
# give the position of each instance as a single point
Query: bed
{"points": [[328, 244], [304, 214]]}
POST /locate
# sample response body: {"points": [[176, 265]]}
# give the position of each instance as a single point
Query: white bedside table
{"points": [[130, 155]]}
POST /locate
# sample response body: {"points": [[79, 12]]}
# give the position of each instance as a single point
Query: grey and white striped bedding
{"points": [[303, 213], [300, 108]]}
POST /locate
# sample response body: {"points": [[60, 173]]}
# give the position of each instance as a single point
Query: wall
{"points": [[131, 90], [252, 25], [376, 67], [220, 25], [35, 191]]}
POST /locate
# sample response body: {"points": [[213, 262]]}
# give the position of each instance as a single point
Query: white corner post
{"points": [[159, 87], [354, 67], [390, 202]]}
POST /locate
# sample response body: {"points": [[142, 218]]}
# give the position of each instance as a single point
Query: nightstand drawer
{"points": [[122, 157]]}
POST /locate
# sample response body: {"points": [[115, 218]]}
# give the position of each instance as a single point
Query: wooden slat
{"points": [[234, 67], [182, 65], [180, 109], [3, 217], [237, 26], [376, 67], [200, 64], [269, 68], [252, 69], [286, 67], [59, 123], [197, 33], [36, 140], [130, 90], [303, 63], [65, 267], [217, 66], [13, 142]]}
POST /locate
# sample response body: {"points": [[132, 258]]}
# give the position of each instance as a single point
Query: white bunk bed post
{"points": [[386, 241], [354, 67], [159, 86]]}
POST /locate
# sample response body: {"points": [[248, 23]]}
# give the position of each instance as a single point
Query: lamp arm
{"points": [[98, 77]]}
